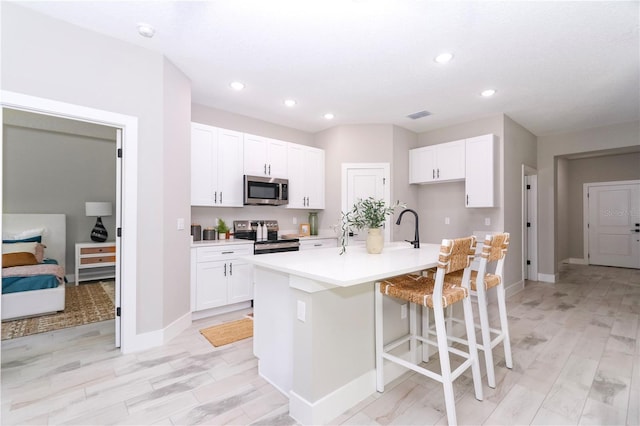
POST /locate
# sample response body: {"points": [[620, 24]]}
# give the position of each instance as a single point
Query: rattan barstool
{"points": [[455, 255]]}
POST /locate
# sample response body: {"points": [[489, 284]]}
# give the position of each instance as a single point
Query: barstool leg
{"points": [[504, 325], [486, 335], [379, 339], [473, 348], [425, 333], [413, 331], [445, 365]]}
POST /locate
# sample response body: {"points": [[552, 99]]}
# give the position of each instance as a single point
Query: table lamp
{"points": [[98, 209]]}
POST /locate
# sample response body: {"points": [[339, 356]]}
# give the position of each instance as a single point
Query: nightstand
{"points": [[95, 261]]}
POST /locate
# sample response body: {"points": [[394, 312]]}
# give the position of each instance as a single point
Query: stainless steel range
{"points": [[264, 233]]}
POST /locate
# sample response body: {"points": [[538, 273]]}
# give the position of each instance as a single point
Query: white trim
{"points": [[206, 313], [575, 261], [332, 405], [526, 209], [547, 278], [128, 256], [513, 288], [176, 327]]}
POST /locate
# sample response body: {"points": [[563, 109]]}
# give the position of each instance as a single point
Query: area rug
{"points": [[229, 332], [84, 304]]}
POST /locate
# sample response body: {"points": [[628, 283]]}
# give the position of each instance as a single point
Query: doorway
{"points": [[612, 223], [126, 199], [363, 180]]}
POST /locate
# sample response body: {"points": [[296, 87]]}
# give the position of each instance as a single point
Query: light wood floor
{"points": [[576, 349]]}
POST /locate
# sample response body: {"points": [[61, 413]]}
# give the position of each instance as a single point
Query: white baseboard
{"points": [[152, 339], [332, 405], [514, 288], [575, 261], [547, 278], [219, 310]]}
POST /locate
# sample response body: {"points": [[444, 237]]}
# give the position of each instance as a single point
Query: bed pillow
{"points": [[36, 239], [20, 247], [18, 259], [27, 235]]}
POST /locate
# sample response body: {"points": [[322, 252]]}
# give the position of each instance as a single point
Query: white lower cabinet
{"points": [[318, 243], [219, 277]]}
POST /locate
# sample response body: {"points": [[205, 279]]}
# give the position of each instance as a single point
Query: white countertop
{"points": [[222, 243], [354, 267]]}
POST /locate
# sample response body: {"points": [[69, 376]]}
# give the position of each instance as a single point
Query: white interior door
{"points": [[361, 181], [531, 234], [614, 224]]}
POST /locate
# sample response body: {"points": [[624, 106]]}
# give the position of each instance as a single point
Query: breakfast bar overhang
{"points": [[314, 322]]}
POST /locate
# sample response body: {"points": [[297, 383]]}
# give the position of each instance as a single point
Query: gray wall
{"points": [[562, 209], [440, 200], [403, 141], [587, 170], [355, 143], [597, 140], [48, 171], [81, 67], [520, 148]]}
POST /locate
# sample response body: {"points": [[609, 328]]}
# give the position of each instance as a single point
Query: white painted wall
{"points": [[596, 140], [74, 65]]}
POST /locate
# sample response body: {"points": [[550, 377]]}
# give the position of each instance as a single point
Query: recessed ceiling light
{"points": [[329, 116], [443, 58], [236, 85], [290, 103], [146, 30], [488, 93]]}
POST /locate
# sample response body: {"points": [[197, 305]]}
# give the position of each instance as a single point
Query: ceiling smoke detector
{"points": [[418, 114]]}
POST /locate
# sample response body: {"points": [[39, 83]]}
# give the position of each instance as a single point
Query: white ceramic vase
{"points": [[375, 241]]}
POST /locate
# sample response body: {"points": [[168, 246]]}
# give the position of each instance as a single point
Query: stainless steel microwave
{"points": [[265, 191]]}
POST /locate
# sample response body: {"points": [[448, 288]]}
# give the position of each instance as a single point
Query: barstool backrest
{"points": [[495, 247], [456, 254]]}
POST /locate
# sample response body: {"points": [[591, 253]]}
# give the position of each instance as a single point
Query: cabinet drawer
{"points": [[97, 250], [97, 259], [208, 254]]}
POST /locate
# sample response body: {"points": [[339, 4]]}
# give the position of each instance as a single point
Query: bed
{"points": [[16, 300]]}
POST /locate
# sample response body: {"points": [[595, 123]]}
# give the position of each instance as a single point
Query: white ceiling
{"points": [[557, 66]]}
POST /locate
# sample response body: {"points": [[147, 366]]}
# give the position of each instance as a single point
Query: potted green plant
{"points": [[223, 229], [368, 214]]}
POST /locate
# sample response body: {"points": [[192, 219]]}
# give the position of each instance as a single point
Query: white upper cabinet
{"points": [[437, 163], [265, 157], [480, 182], [216, 166], [306, 177]]}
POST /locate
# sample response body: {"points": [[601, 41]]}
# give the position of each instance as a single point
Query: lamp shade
{"points": [[99, 209]]}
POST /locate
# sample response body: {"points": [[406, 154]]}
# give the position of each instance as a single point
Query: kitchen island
{"points": [[314, 322]]}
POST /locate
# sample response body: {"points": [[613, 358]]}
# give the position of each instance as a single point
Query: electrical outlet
{"points": [[447, 221], [403, 311], [180, 224], [487, 221], [295, 220]]}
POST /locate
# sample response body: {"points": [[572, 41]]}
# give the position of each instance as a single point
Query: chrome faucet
{"points": [[416, 237]]}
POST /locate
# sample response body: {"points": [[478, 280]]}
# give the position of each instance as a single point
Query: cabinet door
{"points": [[450, 160], [314, 178], [230, 168], [255, 155], [297, 184], [422, 165], [480, 171], [211, 285], [203, 175], [277, 159], [240, 281]]}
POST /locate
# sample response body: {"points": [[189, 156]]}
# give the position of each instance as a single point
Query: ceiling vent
{"points": [[418, 114]]}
